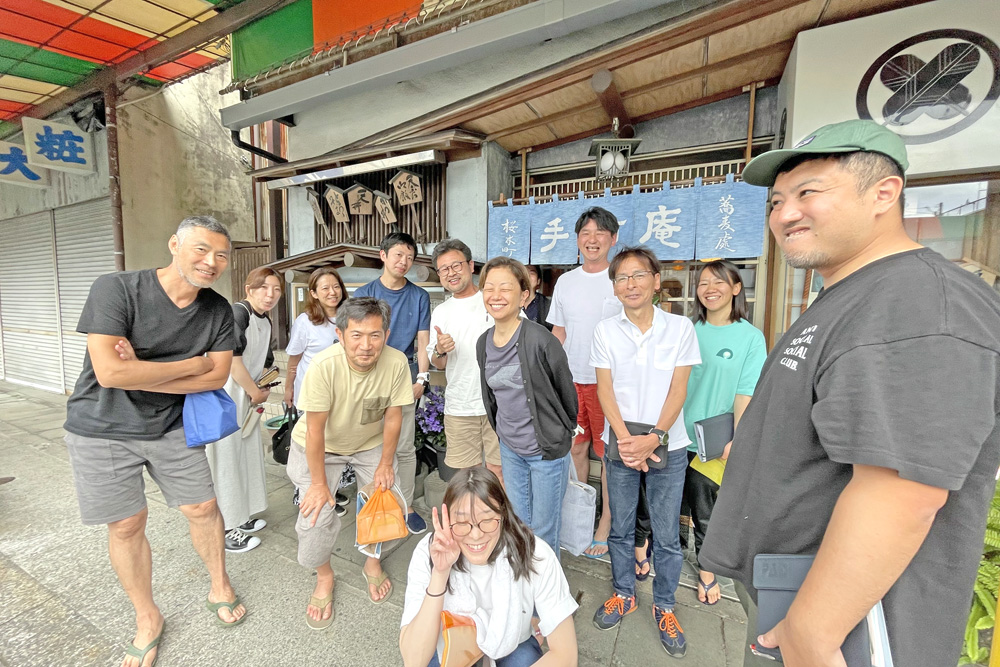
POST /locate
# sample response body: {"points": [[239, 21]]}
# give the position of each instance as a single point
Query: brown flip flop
{"points": [[320, 603], [377, 582]]}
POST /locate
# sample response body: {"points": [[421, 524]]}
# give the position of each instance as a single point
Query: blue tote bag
{"points": [[209, 416]]}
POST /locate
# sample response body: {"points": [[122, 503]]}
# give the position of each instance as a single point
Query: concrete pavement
{"points": [[60, 603]]}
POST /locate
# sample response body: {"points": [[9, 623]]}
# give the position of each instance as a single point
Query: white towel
{"points": [[498, 632]]}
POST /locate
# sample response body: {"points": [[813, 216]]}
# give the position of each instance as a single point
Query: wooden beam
{"points": [[774, 49], [679, 31], [218, 26], [603, 84], [654, 114]]}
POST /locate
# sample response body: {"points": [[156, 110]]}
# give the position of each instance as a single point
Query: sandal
{"points": [[640, 575], [135, 652], [596, 543], [707, 587], [214, 607], [377, 581], [321, 603]]}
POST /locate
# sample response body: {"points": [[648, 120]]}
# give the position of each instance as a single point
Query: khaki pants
{"points": [[316, 542], [470, 440], [406, 453]]}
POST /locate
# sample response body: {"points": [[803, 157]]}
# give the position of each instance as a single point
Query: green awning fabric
{"points": [[273, 39], [27, 62]]}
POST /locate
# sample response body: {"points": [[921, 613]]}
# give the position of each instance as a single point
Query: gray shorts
{"points": [[108, 474]]}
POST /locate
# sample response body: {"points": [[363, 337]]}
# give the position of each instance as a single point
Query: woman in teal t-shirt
{"points": [[732, 353]]}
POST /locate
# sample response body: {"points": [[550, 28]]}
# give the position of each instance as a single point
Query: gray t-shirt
{"points": [[503, 375], [895, 366], [133, 305]]}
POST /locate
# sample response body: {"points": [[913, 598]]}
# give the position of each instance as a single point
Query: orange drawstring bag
{"points": [[381, 519], [460, 647]]}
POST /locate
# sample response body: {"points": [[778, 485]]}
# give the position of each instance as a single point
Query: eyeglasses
{"points": [[637, 276], [451, 268], [486, 526]]}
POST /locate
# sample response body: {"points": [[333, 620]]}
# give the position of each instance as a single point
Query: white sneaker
{"points": [[238, 542]]}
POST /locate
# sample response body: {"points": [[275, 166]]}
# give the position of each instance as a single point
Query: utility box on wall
{"points": [[930, 73]]}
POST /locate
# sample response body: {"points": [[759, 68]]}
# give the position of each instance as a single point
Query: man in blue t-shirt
{"points": [[411, 320]]}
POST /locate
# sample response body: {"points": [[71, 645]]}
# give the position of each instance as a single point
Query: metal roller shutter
{"points": [[29, 305], [84, 251]]}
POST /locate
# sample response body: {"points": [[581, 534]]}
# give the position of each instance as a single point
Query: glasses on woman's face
{"points": [[463, 528]]}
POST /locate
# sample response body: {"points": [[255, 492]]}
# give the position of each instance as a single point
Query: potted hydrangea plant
{"points": [[430, 428]]}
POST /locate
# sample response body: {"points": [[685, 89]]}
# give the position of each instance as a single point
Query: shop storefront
{"points": [[931, 73]]}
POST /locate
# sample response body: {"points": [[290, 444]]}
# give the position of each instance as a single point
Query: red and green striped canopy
{"points": [[48, 45]]}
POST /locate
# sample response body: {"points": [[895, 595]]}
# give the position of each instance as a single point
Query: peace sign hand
{"points": [[444, 548]]}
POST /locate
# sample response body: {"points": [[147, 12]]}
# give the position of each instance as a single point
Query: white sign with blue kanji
{"points": [[553, 233], [57, 146], [620, 206], [666, 222], [14, 167], [731, 220], [509, 232]]}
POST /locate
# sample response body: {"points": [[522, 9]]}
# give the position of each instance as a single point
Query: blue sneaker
{"points": [[415, 523], [671, 634], [610, 613]]}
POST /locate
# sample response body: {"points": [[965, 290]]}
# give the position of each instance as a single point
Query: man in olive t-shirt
{"points": [[353, 396], [871, 439]]}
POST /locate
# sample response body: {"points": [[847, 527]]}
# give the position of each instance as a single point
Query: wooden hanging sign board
{"points": [[407, 187], [317, 208], [335, 199], [359, 199], [383, 204]]}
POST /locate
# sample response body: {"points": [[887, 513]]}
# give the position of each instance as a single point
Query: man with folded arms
{"points": [[353, 396], [872, 439], [456, 326], [153, 336]]}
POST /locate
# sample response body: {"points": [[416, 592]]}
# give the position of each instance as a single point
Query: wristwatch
{"points": [[438, 355], [659, 433]]}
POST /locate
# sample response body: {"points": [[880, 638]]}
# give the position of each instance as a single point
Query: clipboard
{"points": [[713, 434], [778, 578], [636, 428]]}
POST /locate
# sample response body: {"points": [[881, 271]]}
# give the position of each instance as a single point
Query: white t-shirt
{"points": [[465, 320], [308, 339], [579, 301], [642, 366], [546, 591]]}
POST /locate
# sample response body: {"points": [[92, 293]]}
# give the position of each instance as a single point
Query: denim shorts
{"points": [[108, 474]]}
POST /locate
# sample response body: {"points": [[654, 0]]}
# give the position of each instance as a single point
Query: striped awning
{"points": [[49, 45]]}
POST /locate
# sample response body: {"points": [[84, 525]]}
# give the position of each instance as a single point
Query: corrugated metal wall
{"points": [[49, 261], [32, 349], [84, 251]]}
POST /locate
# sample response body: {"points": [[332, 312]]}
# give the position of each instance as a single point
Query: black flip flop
{"points": [[707, 587]]}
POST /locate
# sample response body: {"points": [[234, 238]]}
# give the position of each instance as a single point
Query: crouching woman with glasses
{"points": [[482, 563]]}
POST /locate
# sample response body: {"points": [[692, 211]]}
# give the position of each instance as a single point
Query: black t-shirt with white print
{"points": [[897, 366]]}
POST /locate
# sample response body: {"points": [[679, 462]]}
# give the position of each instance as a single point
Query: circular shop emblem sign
{"points": [[932, 85]]}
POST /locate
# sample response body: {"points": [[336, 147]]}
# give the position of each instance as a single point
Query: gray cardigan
{"points": [[548, 384]]}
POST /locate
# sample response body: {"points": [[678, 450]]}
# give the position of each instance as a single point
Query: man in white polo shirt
{"points": [[642, 359], [456, 325]]}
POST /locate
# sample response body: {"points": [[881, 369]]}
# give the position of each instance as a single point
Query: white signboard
{"points": [[57, 146], [14, 167], [930, 73]]}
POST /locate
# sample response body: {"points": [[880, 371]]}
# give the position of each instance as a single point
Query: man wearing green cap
{"points": [[872, 439]]}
